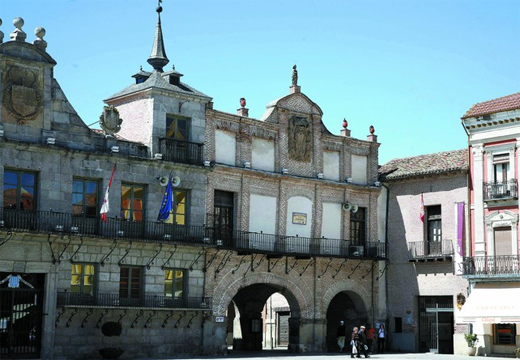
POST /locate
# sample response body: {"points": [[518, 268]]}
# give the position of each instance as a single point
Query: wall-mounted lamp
{"points": [[320, 176], [247, 165], [285, 171], [158, 156], [349, 180], [51, 141], [114, 149]]}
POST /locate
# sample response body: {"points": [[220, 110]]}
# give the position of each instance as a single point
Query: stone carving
{"points": [[300, 139], [22, 97], [109, 120]]}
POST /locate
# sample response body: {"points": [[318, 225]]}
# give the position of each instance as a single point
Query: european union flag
{"points": [[167, 203]]}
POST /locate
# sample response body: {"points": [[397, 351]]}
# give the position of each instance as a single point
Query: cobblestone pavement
{"points": [[328, 356]]}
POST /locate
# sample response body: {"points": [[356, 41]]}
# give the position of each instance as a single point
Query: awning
{"points": [[492, 303]]}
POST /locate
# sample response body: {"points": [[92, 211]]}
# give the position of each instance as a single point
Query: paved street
{"points": [[329, 356]]}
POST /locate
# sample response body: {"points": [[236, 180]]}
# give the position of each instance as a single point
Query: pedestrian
{"points": [[340, 335], [362, 342], [381, 336], [354, 342], [371, 333]]}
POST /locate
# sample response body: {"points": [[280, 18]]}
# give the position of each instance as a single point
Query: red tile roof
{"points": [[505, 103], [422, 165]]}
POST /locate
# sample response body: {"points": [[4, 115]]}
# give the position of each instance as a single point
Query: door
{"points": [[21, 304], [223, 218]]}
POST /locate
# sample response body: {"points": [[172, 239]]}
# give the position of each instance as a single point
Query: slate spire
{"points": [[158, 57]]}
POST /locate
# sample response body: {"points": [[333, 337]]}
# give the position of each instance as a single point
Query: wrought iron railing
{"points": [[153, 231], [180, 151], [67, 298], [430, 249], [500, 190], [492, 265]]}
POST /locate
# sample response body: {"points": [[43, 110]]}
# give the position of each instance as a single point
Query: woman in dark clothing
{"points": [[362, 347]]}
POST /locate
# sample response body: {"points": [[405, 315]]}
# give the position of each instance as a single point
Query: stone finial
{"points": [[345, 123], [243, 111], [18, 34], [372, 137], [39, 42], [345, 132], [294, 76], [1, 33]]}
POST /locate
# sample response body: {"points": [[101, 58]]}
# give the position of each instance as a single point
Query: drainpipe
{"points": [[469, 239], [387, 248]]}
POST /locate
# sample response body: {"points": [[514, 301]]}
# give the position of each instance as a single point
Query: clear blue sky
{"points": [[410, 68]]}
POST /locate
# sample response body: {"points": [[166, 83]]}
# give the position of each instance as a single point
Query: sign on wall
{"points": [[299, 218]]}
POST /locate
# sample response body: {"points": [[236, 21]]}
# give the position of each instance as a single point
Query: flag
{"points": [[105, 208], [421, 215], [167, 202]]}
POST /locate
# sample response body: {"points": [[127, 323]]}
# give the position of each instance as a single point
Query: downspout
{"points": [[468, 248], [387, 248]]}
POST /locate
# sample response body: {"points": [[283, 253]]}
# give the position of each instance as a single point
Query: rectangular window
{"points": [[434, 230], [85, 198], [19, 190], [504, 334], [83, 279], [175, 283], [178, 213], [130, 282], [177, 127], [398, 321], [223, 218], [358, 226], [132, 202]]}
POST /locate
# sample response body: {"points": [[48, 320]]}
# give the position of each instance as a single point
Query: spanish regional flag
{"points": [[421, 215], [105, 208], [167, 203]]}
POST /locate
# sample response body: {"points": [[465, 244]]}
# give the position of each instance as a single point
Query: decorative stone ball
{"points": [[39, 32], [242, 102], [18, 22], [371, 129], [159, 9], [345, 123], [0, 22]]}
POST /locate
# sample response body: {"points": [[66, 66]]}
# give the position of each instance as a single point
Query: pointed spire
{"points": [[158, 57]]}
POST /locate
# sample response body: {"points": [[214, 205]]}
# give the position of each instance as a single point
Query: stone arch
{"points": [[359, 294], [226, 290]]}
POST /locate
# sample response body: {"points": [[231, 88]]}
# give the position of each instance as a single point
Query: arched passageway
{"points": [[346, 306]]}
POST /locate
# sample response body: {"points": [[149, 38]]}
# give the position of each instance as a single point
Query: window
{"points": [[132, 202], [177, 127], [83, 279], [398, 321], [19, 190], [178, 213], [504, 334], [223, 221], [500, 168], [434, 230], [130, 282], [84, 198], [358, 226], [175, 283]]}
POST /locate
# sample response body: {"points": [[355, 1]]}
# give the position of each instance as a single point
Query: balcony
{"points": [[430, 250], [147, 301], [274, 244], [500, 191], [180, 151], [492, 266], [51, 222]]}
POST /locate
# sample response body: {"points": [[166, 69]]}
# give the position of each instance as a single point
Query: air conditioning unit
{"points": [[356, 250], [220, 242], [167, 236]]}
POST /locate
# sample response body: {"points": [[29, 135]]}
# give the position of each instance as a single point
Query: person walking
{"points": [[362, 342], [354, 342], [371, 333], [340, 335], [381, 336]]}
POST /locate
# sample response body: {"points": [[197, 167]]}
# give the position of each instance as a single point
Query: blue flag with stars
{"points": [[167, 202]]}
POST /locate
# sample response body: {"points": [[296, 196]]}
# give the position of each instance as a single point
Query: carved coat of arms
{"points": [[300, 139], [109, 120], [22, 95]]}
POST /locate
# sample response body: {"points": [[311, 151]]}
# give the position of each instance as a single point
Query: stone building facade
{"points": [[427, 235], [276, 205]]}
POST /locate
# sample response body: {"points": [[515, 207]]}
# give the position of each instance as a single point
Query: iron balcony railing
{"points": [[153, 231], [258, 242], [492, 265], [430, 249], [501, 190], [67, 298], [181, 151]]}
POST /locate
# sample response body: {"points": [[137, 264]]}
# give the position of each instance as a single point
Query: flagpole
{"points": [[105, 208]]}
